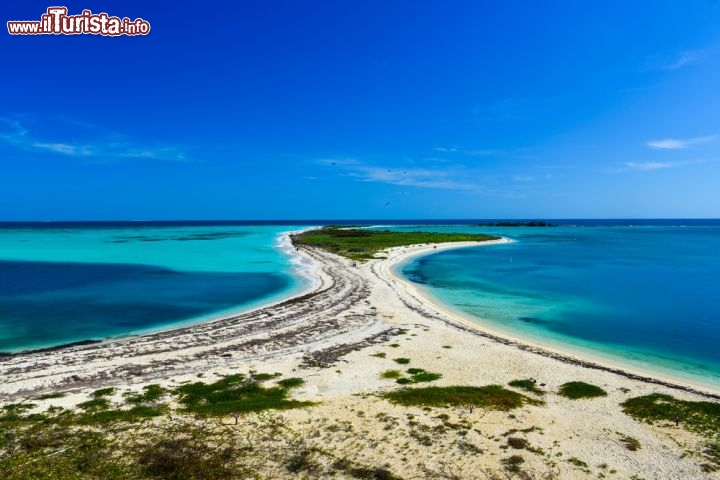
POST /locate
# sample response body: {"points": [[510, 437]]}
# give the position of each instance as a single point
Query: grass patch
{"points": [[527, 385], [292, 382], [379, 355], [577, 462], [49, 396], [135, 414], [262, 377], [402, 361], [151, 393], [103, 392], [391, 374], [577, 390], [700, 417], [234, 394], [12, 413], [185, 458], [419, 375], [363, 244], [493, 397], [95, 404]]}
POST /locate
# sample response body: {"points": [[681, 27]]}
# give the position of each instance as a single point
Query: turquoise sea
{"points": [[641, 293], [62, 283]]}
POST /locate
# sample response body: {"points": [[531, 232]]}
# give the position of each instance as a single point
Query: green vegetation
{"points": [[577, 390], [363, 244], [58, 453], [292, 382], [577, 462], [134, 414], [103, 392], [95, 404], [49, 396], [527, 385], [186, 458], [492, 397], [13, 413], [83, 444], [402, 361], [417, 375], [699, 417], [151, 393], [236, 394]]}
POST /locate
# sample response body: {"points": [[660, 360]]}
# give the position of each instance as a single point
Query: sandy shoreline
{"points": [[341, 336], [303, 267], [561, 352]]}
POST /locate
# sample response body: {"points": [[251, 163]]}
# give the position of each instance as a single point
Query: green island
{"points": [[364, 244]]}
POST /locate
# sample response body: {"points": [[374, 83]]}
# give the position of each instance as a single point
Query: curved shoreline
{"points": [[466, 322], [321, 323], [283, 244]]}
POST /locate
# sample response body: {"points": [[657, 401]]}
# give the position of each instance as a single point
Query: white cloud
{"points": [[435, 178], [64, 149], [523, 178], [684, 59], [679, 144], [647, 166], [99, 148], [447, 149]]}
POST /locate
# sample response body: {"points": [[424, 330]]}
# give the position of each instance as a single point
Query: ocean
{"points": [[641, 292], [69, 282], [644, 293]]}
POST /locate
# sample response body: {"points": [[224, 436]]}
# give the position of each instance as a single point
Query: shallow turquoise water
{"points": [[647, 295], [60, 285]]}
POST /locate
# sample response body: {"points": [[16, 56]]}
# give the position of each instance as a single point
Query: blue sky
{"points": [[365, 109]]}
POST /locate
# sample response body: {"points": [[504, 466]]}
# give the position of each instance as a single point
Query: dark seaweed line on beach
{"points": [[313, 324]]}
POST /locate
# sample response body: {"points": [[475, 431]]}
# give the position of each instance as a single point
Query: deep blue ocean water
{"points": [[61, 283], [647, 294]]}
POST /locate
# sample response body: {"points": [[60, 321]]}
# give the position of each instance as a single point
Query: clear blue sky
{"points": [[365, 109]]}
